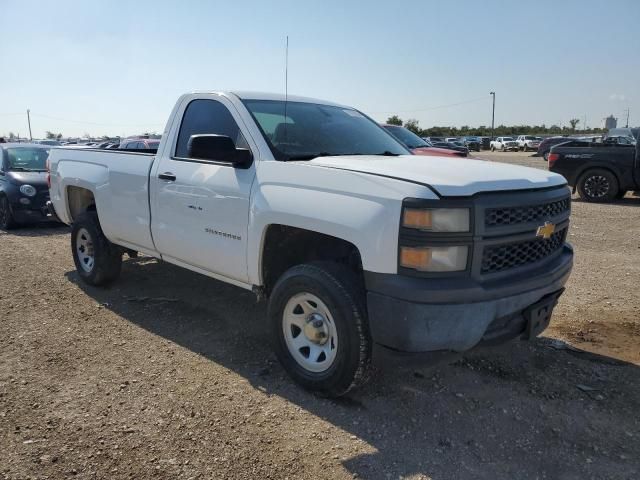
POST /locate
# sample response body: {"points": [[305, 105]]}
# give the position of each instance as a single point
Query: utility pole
{"points": [[493, 113], [29, 120], [627, 126]]}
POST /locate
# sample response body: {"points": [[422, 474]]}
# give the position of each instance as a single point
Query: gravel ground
{"points": [[168, 374]]}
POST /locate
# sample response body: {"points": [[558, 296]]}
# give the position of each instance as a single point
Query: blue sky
{"points": [[116, 67]]}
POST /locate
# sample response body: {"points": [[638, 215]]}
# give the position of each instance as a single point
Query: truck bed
{"points": [[120, 179]]}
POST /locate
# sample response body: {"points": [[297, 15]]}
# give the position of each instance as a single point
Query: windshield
{"points": [[407, 137], [507, 139], [312, 130], [27, 159]]}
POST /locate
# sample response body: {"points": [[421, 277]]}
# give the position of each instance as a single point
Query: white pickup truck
{"points": [[528, 142], [360, 247]]}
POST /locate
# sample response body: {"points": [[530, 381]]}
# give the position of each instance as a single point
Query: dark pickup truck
{"points": [[601, 172]]}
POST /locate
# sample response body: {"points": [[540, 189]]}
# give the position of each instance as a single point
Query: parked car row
{"points": [[420, 146]]}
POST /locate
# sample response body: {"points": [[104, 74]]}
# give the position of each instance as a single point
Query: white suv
{"points": [[528, 142], [503, 144]]}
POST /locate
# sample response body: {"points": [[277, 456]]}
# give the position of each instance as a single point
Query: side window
{"points": [[207, 116]]}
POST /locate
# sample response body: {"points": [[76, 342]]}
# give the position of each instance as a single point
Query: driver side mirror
{"points": [[218, 148]]}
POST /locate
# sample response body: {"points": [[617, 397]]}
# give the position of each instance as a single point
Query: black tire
{"points": [[107, 257], [545, 155], [504, 148], [598, 185], [492, 148], [6, 216], [343, 294]]}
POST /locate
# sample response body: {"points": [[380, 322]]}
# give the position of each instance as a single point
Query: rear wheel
{"points": [[97, 260], [598, 185], [6, 216], [319, 328], [493, 149], [545, 155]]}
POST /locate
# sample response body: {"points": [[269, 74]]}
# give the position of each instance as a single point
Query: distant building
{"points": [[610, 122]]}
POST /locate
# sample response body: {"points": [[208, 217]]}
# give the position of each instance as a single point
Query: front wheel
{"points": [[504, 148], [598, 185], [6, 216], [319, 328], [97, 260], [493, 149]]}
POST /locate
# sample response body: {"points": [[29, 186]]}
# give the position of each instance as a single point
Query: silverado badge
{"points": [[546, 230]]}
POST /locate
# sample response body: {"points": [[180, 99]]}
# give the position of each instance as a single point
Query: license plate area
{"points": [[539, 314]]}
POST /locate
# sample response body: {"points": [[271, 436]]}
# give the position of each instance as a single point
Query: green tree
{"points": [[395, 120], [12, 135], [412, 124], [59, 136], [50, 135], [574, 123]]}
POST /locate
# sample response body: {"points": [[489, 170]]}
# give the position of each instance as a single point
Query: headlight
{"points": [[28, 190], [434, 259], [437, 219]]}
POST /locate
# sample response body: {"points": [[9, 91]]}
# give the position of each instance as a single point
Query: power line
{"points": [[464, 102], [83, 122]]}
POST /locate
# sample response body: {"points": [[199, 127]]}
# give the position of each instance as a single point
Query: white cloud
{"points": [[617, 96]]}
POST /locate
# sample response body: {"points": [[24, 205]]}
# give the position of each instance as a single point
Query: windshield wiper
{"points": [[386, 153], [311, 156]]}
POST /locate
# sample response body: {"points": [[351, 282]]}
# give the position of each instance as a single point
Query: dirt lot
{"points": [[167, 374]]}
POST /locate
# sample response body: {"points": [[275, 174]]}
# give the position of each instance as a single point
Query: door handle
{"points": [[168, 176]]}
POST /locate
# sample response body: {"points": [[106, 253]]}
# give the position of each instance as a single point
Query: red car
{"points": [[418, 145]]}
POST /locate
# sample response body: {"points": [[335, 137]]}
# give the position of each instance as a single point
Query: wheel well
{"points": [[79, 200], [285, 247]]}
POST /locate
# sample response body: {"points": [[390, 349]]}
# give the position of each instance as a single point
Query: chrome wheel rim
{"points": [[597, 186], [310, 332], [84, 250]]}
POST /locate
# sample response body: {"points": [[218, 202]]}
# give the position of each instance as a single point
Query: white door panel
{"points": [[201, 217]]}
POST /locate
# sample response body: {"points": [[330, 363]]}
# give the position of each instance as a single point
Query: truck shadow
{"points": [[524, 410], [39, 230], [629, 201]]}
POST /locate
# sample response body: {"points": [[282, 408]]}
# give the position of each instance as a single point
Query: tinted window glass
{"points": [[27, 158], [207, 117], [310, 130], [407, 137]]}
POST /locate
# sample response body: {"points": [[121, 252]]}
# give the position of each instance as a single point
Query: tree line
{"points": [[484, 131]]}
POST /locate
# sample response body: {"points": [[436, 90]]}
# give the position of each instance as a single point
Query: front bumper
{"points": [[37, 211], [417, 315]]}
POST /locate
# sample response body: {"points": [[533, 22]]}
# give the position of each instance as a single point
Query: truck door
{"points": [[200, 208]]}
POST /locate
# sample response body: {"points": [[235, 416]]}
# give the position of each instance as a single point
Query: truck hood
{"points": [[449, 177]]}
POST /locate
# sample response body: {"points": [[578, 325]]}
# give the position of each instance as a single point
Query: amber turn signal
{"points": [[414, 218], [417, 258]]}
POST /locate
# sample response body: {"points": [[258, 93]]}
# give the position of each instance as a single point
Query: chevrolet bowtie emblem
{"points": [[546, 230]]}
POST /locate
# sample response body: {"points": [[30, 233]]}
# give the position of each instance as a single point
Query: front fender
{"points": [[361, 209]]}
